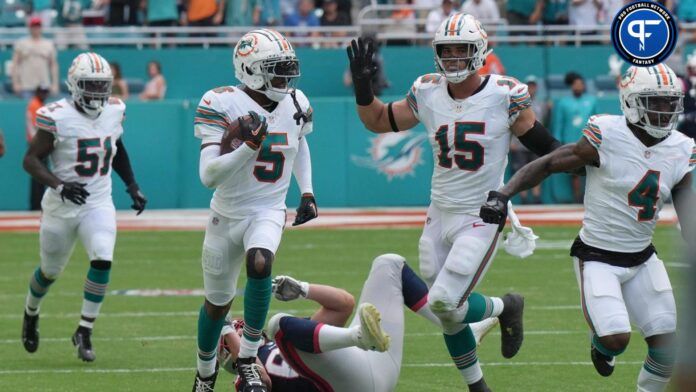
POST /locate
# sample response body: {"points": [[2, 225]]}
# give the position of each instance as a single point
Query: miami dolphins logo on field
{"points": [[246, 45], [394, 154]]}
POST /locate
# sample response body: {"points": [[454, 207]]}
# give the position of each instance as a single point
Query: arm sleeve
{"points": [[518, 101], [214, 168], [302, 168], [122, 165]]}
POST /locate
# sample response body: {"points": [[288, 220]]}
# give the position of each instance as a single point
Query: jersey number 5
{"points": [[468, 153], [645, 195], [275, 158], [88, 158]]}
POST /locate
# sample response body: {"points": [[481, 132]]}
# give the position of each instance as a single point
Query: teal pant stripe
{"points": [[257, 300], [208, 334]]}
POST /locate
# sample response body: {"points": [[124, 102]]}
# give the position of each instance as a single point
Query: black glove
{"points": [[139, 200], [253, 130], [494, 211], [363, 69], [307, 210], [73, 191]]}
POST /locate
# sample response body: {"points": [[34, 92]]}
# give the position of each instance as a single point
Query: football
{"points": [[232, 138]]}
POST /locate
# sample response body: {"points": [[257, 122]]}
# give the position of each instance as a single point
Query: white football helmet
{"points": [[652, 98], [266, 62], [460, 29], [89, 81]]}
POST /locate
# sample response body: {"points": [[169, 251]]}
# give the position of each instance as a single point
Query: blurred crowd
{"points": [[313, 13]]}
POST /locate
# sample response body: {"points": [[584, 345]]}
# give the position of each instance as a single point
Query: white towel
{"points": [[521, 241]]}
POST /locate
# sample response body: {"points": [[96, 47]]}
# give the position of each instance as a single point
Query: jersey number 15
{"points": [[468, 154]]}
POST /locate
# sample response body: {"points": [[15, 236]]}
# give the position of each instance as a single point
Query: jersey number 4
{"points": [[468, 153], [645, 195], [275, 158], [88, 157]]}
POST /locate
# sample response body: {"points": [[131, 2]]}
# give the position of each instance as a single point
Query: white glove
{"points": [[521, 241], [615, 64], [287, 288]]}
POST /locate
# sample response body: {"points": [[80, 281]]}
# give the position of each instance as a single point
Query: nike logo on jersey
{"points": [[478, 225], [207, 102]]}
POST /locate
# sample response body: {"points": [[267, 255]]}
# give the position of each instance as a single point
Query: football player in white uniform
{"points": [[470, 120], [320, 354], [634, 163], [251, 182], [82, 138]]}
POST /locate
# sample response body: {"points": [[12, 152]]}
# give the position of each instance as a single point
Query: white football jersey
{"points": [[625, 194], [83, 151], [263, 181], [470, 138]]}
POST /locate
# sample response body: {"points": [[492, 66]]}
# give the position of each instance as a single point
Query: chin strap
{"points": [[299, 115]]}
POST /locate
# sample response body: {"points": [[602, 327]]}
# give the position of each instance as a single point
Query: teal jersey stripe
{"points": [[214, 125], [215, 117]]}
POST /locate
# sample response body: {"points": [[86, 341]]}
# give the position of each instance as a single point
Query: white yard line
{"points": [[195, 313], [191, 337], [190, 369]]}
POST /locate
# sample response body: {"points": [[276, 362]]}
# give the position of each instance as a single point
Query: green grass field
{"points": [[148, 343]]}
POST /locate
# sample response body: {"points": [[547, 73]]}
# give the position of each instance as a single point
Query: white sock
{"points": [[86, 324], [205, 368], [90, 309], [247, 348], [32, 305], [334, 338], [472, 374], [32, 302], [648, 382], [497, 306]]}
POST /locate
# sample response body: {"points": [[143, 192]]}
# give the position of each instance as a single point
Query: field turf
{"points": [[148, 343]]}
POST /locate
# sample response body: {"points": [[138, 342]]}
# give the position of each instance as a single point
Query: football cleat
{"points": [[482, 328], [30, 332], [604, 364], [82, 339], [511, 329], [205, 384], [479, 386], [371, 336], [249, 376]]}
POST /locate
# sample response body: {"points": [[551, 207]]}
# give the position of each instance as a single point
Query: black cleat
{"points": [[30, 332], [249, 377], [479, 386], [82, 339], [511, 330], [602, 363], [205, 384]]}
